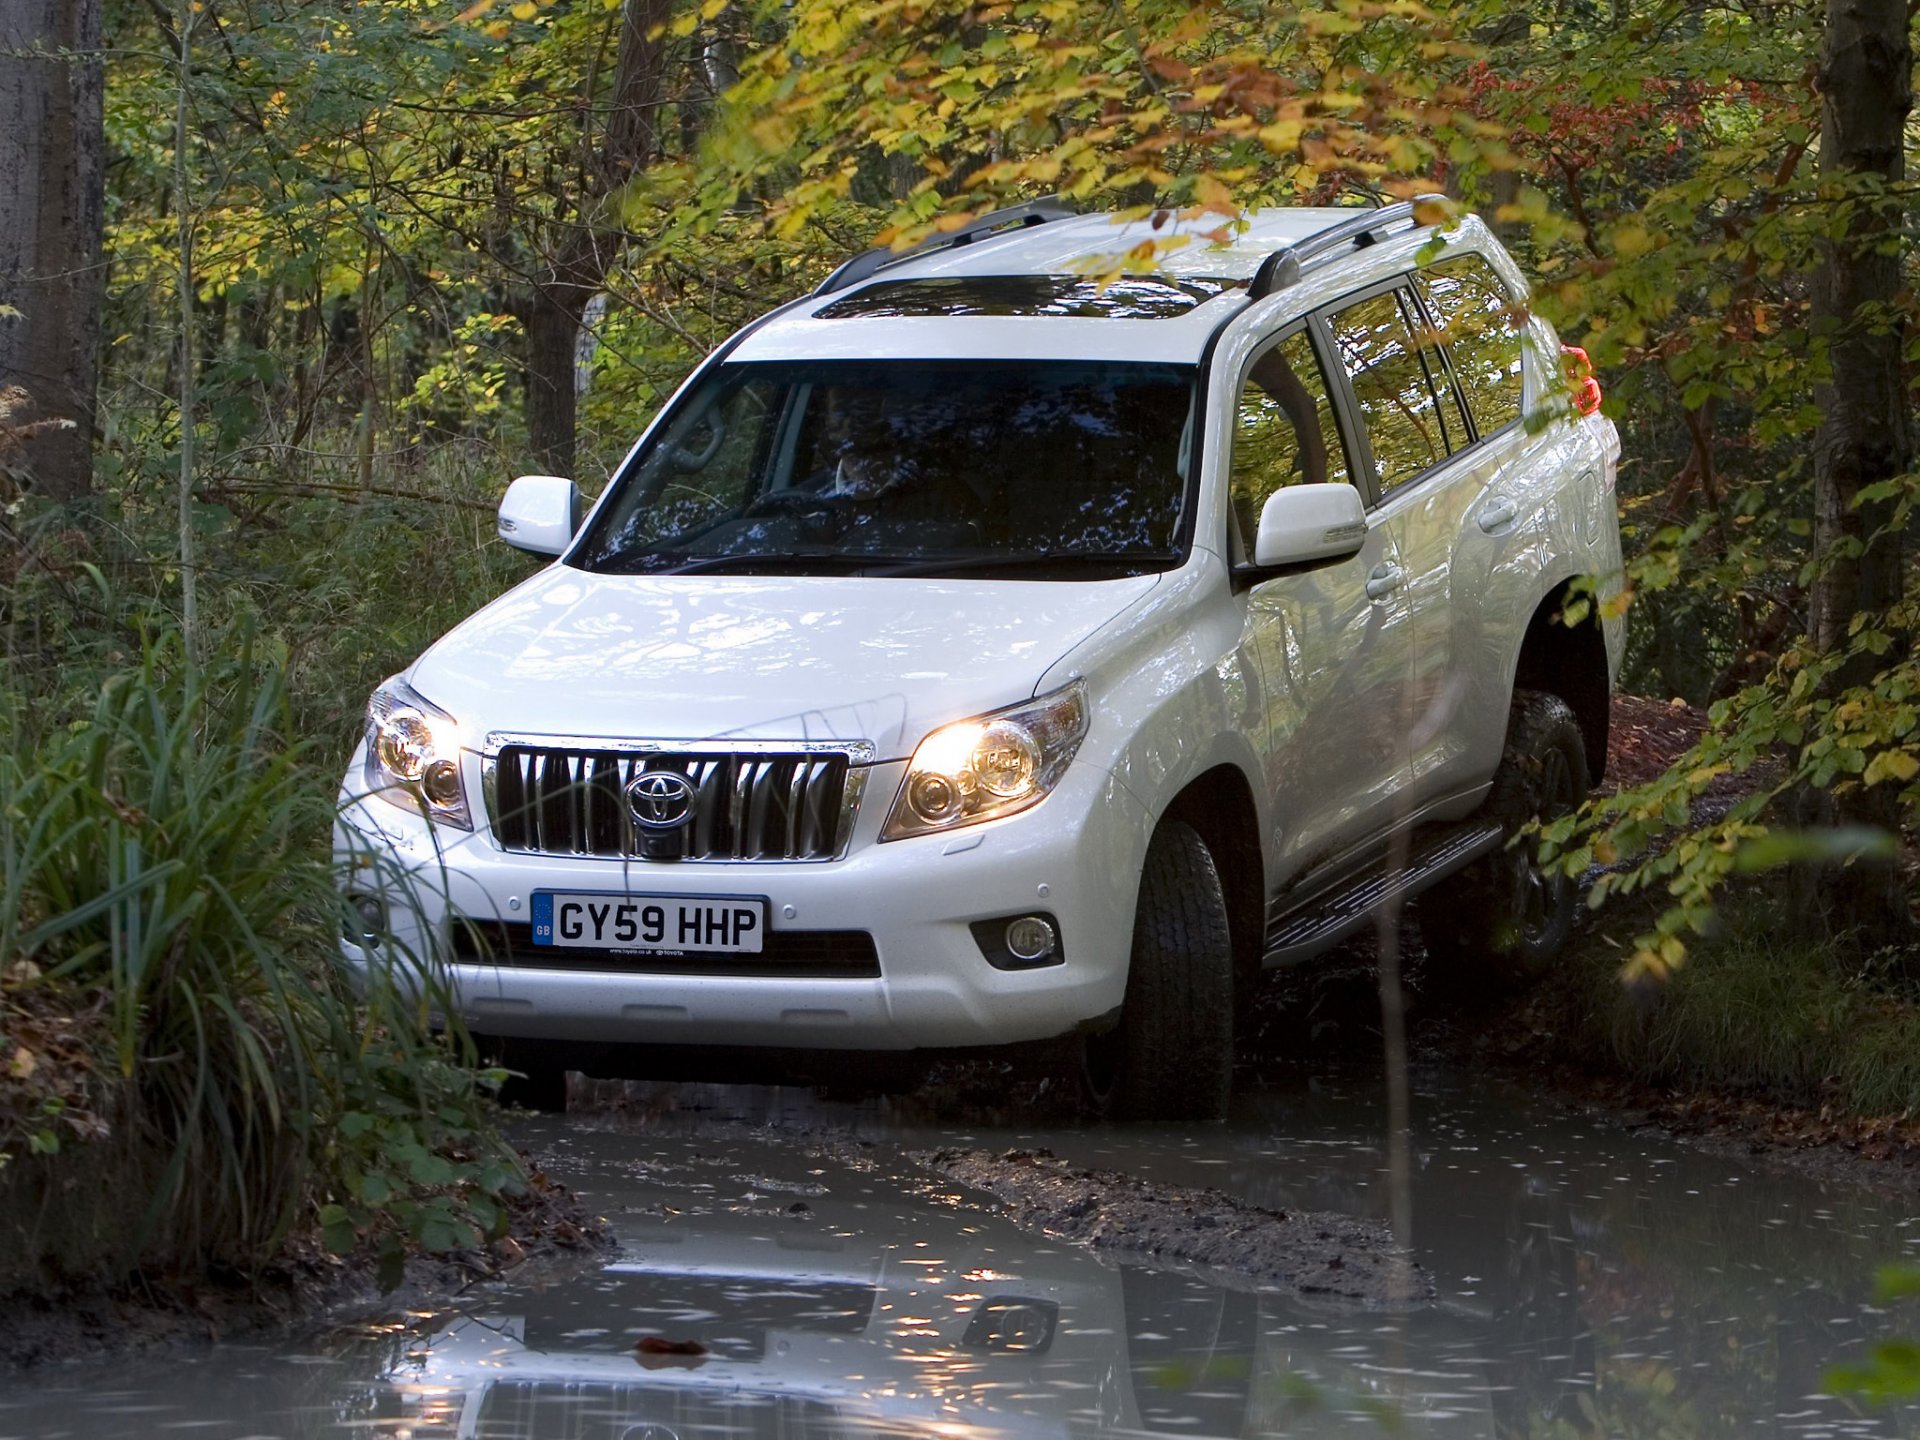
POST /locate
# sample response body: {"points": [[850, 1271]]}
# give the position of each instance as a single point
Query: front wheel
{"points": [[1509, 913], [1171, 1056]]}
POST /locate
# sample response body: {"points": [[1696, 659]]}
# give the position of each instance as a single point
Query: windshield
{"points": [[909, 467]]}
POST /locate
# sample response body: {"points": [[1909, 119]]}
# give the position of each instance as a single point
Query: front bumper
{"points": [[1076, 856]]}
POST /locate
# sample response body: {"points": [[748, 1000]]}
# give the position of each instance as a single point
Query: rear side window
{"points": [[1403, 416], [1482, 335], [1284, 432]]}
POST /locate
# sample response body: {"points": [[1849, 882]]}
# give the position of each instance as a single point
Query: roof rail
{"points": [[1014, 217], [1282, 268]]}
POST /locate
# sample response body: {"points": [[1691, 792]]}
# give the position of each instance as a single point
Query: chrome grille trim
{"points": [[752, 800]]}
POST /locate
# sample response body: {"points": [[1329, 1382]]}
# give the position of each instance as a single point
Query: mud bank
{"points": [[551, 1234], [1314, 1255]]}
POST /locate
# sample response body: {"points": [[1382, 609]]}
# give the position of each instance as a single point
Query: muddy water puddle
{"points": [[790, 1282]]}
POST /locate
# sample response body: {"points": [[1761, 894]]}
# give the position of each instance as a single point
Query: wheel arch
{"points": [[1571, 661]]}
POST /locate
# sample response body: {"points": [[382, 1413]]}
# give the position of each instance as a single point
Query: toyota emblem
{"points": [[660, 799]]}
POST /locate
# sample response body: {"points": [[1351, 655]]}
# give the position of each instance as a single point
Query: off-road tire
{"points": [[1504, 918], [1171, 1057]]}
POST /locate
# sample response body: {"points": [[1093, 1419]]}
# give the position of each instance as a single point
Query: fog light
{"points": [[372, 914], [1030, 938], [1013, 1324]]}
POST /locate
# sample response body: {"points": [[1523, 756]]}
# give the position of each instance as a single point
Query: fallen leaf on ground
{"points": [[660, 1345]]}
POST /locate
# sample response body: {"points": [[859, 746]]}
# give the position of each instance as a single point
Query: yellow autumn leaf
{"points": [[23, 1063], [1891, 765], [525, 10]]}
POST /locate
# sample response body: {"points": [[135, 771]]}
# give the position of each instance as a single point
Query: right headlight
{"points": [[992, 765], [413, 755]]}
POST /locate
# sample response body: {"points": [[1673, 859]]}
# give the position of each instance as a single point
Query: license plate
{"points": [[726, 924]]}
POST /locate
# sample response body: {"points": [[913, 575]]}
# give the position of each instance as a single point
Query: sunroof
{"points": [[1133, 297]]}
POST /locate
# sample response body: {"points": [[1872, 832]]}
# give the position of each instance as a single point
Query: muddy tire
{"points": [[1505, 918], [1171, 1056]]}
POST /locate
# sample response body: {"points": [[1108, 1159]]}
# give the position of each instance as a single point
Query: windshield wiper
{"points": [[786, 561], [1027, 560]]}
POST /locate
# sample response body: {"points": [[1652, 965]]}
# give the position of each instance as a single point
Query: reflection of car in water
{"points": [[808, 1334], [801, 1333]]}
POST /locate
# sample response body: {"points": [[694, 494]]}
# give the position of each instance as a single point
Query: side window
{"points": [[1284, 432], [1397, 401], [1482, 336]]}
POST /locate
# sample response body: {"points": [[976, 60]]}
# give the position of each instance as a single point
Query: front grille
{"points": [[793, 954], [746, 805]]}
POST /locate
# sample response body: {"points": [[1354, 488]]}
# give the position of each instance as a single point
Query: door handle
{"points": [[1497, 514], [1384, 580]]}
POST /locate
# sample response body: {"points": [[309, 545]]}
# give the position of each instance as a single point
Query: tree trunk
{"points": [[1865, 436], [579, 255], [51, 152], [553, 331]]}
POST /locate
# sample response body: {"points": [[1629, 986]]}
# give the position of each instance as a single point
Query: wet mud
{"points": [[1314, 1255]]}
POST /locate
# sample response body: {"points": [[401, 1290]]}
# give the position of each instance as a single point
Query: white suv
{"points": [[973, 652]]}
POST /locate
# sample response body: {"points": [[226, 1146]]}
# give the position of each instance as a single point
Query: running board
{"points": [[1319, 921]]}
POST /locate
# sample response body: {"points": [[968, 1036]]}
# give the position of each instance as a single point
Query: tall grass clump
{"points": [[171, 977], [1757, 1012]]}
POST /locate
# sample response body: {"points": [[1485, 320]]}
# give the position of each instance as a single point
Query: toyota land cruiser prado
{"points": [[973, 652]]}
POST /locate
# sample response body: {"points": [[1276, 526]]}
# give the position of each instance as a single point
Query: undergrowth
{"points": [[171, 986], [1755, 1011]]}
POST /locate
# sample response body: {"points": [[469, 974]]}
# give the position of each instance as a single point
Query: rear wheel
{"points": [[1508, 913], [1171, 1056]]}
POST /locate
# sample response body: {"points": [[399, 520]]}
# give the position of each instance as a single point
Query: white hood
{"points": [[757, 657]]}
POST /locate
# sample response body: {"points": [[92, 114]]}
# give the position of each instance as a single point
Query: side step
{"points": [[1318, 921]]}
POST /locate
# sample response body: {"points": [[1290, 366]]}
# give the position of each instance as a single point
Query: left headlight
{"points": [[413, 755], [992, 765]]}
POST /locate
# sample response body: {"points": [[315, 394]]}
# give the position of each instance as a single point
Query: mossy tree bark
{"points": [[51, 174], [1865, 434]]}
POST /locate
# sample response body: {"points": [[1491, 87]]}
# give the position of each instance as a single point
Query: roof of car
{"points": [[1038, 290]]}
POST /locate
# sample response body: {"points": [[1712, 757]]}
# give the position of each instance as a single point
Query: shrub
{"points": [[165, 896]]}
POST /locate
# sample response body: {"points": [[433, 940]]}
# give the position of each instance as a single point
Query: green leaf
{"points": [[337, 1229], [1824, 847]]}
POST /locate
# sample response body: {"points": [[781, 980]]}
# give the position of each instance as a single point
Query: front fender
{"points": [[1175, 693]]}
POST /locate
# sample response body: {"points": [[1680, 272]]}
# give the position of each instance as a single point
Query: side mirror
{"points": [[540, 514], [1304, 523]]}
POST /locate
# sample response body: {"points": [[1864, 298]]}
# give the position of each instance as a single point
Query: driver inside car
{"points": [[867, 474], [861, 455]]}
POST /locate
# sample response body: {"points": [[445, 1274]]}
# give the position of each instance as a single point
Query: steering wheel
{"points": [[686, 458]]}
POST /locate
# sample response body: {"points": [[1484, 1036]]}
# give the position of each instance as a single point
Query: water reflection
{"points": [[1592, 1283]]}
